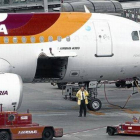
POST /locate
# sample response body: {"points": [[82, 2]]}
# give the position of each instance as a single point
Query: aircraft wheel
{"points": [[61, 85], [123, 84], [117, 84], [4, 135], [88, 106], [110, 131], [47, 134], [95, 104]]}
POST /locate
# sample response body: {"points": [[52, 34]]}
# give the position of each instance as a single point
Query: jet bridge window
{"points": [[6, 1], [135, 36], [15, 1]]}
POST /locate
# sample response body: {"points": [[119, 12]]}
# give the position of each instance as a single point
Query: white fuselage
{"points": [[104, 47]]}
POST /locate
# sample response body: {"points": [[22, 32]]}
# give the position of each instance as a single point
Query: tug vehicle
{"points": [[130, 128], [15, 126]]}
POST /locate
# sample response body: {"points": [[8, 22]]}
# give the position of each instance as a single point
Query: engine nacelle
{"points": [[10, 91]]}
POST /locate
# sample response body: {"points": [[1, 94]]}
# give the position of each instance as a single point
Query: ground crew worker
{"points": [[82, 100]]}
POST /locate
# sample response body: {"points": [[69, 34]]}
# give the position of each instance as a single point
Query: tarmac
{"points": [[48, 106]]}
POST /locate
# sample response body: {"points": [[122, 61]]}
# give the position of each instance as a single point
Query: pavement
{"points": [[48, 106]]}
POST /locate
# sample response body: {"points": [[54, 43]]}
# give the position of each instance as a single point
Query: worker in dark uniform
{"points": [[82, 100]]}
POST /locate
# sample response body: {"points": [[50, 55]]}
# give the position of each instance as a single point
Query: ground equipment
{"points": [[17, 126], [130, 128]]}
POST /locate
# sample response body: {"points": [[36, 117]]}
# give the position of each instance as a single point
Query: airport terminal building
{"points": [[27, 5]]}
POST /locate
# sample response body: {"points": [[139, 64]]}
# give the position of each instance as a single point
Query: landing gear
{"points": [[94, 103], [120, 83], [61, 85]]}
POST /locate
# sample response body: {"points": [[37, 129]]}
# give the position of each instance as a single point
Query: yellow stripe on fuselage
{"points": [[67, 24]]}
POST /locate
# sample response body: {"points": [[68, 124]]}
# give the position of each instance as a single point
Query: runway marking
{"points": [[96, 113], [130, 111], [81, 131], [44, 115]]}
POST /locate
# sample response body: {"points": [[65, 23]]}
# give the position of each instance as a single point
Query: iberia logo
{"points": [[3, 92], [3, 29]]}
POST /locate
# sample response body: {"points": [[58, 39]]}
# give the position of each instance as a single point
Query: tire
{"points": [[47, 134], [4, 135], [117, 84], [123, 84], [95, 104], [61, 86], [88, 106], [110, 131]]}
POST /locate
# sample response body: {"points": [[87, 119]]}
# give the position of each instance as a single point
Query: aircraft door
{"points": [[104, 46]]}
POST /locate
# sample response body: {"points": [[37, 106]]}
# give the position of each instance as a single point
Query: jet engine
{"points": [[10, 91]]}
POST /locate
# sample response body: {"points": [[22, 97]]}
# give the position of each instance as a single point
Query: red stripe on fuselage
{"points": [[16, 20], [31, 25]]}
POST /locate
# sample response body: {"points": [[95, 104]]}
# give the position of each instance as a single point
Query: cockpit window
{"points": [[135, 36]]}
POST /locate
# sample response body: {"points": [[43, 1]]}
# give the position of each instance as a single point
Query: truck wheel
{"points": [[4, 135], [111, 131], [95, 104], [47, 134]]}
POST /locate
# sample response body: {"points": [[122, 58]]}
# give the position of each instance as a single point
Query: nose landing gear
{"points": [[94, 103]]}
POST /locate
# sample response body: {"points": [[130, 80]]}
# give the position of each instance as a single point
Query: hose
{"points": [[122, 107]]}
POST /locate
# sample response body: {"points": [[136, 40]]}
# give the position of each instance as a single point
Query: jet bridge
{"points": [[27, 5], [94, 6]]}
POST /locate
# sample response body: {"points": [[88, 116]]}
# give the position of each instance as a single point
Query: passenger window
{"points": [[50, 38], [135, 36], [41, 39], [59, 38], [6, 39], [68, 38], [24, 39], [15, 39], [33, 39]]}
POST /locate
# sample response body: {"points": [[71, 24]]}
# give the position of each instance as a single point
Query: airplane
{"points": [[64, 47]]}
